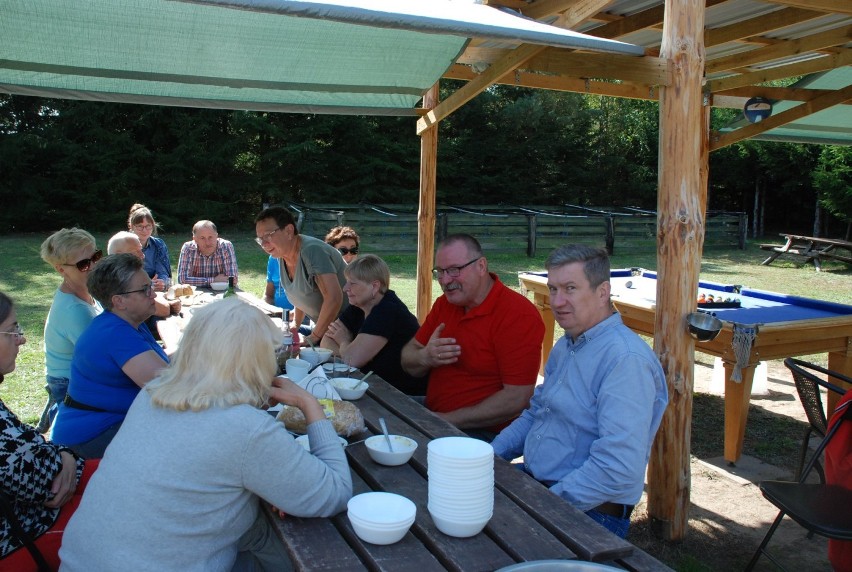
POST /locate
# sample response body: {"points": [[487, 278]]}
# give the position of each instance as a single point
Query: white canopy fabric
{"points": [[371, 57]]}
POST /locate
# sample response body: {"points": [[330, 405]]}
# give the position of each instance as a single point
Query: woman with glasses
{"points": [[114, 358], [157, 264], [41, 482], [345, 240], [72, 252], [372, 331], [310, 270], [182, 486]]}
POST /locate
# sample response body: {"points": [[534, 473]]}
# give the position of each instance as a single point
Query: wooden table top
{"points": [[529, 523]]}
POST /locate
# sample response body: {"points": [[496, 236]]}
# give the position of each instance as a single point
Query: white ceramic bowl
{"points": [[459, 529], [305, 442], [403, 448], [349, 388], [381, 518], [219, 286], [315, 355]]}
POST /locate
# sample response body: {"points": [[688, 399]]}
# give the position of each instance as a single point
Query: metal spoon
{"points": [[369, 373], [385, 431]]}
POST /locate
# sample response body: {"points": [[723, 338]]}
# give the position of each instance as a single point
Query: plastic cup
{"points": [[297, 369]]}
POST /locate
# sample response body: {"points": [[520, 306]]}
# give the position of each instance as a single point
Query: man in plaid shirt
{"points": [[206, 258]]}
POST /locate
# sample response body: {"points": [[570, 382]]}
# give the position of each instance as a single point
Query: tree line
{"points": [[71, 162]]}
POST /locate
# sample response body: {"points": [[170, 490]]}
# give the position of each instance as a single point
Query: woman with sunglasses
{"points": [[114, 358], [157, 264], [41, 482], [345, 240], [72, 252]]}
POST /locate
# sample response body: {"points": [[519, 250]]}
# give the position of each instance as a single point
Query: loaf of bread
{"points": [[345, 417]]}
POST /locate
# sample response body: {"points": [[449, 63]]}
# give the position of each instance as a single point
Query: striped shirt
{"points": [[196, 269]]}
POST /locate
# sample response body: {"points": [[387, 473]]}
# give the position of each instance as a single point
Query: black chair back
{"points": [[808, 385]]}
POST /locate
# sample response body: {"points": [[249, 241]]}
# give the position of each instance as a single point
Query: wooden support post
{"points": [[681, 205], [443, 223], [532, 228], [426, 210], [742, 231], [609, 221]]}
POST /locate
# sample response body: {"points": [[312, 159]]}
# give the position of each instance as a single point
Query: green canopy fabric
{"points": [[345, 57]]}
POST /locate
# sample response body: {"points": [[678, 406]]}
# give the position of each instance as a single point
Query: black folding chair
{"points": [[808, 385], [821, 509]]}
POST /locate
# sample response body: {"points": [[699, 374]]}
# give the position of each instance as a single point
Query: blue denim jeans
{"points": [[56, 388], [617, 526]]}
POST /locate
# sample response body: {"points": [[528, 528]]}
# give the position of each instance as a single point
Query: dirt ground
{"points": [[728, 516]]}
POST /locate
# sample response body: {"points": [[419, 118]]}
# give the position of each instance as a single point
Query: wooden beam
{"points": [[835, 37], [830, 99], [562, 83], [509, 62], [781, 72], [426, 210], [681, 204], [835, 6], [756, 26], [650, 18], [544, 8], [647, 70], [776, 93], [512, 60]]}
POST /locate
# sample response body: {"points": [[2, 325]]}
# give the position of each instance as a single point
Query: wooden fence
{"points": [[392, 229]]}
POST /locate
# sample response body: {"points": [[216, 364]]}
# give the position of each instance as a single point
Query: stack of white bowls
{"points": [[381, 518], [461, 485]]}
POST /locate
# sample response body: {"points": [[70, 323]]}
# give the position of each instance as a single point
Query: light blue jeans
{"points": [[56, 388], [614, 524]]}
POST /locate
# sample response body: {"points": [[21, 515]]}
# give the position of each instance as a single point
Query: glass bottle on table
{"points": [[230, 291]]}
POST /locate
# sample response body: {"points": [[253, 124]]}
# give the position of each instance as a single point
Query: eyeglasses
{"points": [[86, 264], [452, 271], [143, 227], [344, 251], [18, 333], [146, 290], [266, 236]]}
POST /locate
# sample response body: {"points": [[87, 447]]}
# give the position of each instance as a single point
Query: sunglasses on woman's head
{"points": [[344, 251], [86, 264]]}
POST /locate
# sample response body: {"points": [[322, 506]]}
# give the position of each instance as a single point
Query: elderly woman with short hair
{"points": [[114, 358], [72, 253], [372, 331], [197, 455]]}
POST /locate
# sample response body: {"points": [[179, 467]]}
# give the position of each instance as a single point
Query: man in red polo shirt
{"points": [[480, 343]]}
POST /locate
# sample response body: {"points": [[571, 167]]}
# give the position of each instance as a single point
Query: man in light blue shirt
{"points": [[588, 431]]}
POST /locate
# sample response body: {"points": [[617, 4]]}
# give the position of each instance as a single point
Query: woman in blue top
{"points": [[72, 252], [157, 264], [113, 359]]}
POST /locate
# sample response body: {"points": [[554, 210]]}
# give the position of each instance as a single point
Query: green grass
{"points": [[31, 283]]}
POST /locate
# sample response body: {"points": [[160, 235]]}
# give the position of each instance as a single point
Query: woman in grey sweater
{"points": [[180, 486]]}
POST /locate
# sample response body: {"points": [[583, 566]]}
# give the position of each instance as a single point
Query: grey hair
{"points": [[595, 261], [112, 276], [116, 241], [472, 245], [203, 224]]}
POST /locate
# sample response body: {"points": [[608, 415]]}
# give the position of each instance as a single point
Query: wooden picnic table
{"points": [[811, 249], [529, 523], [171, 328]]}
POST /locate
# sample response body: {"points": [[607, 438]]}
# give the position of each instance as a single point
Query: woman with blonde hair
{"points": [[197, 455], [157, 264], [72, 253], [371, 332]]}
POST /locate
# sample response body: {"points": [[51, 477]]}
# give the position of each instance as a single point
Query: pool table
{"points": [[786, 326]]}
